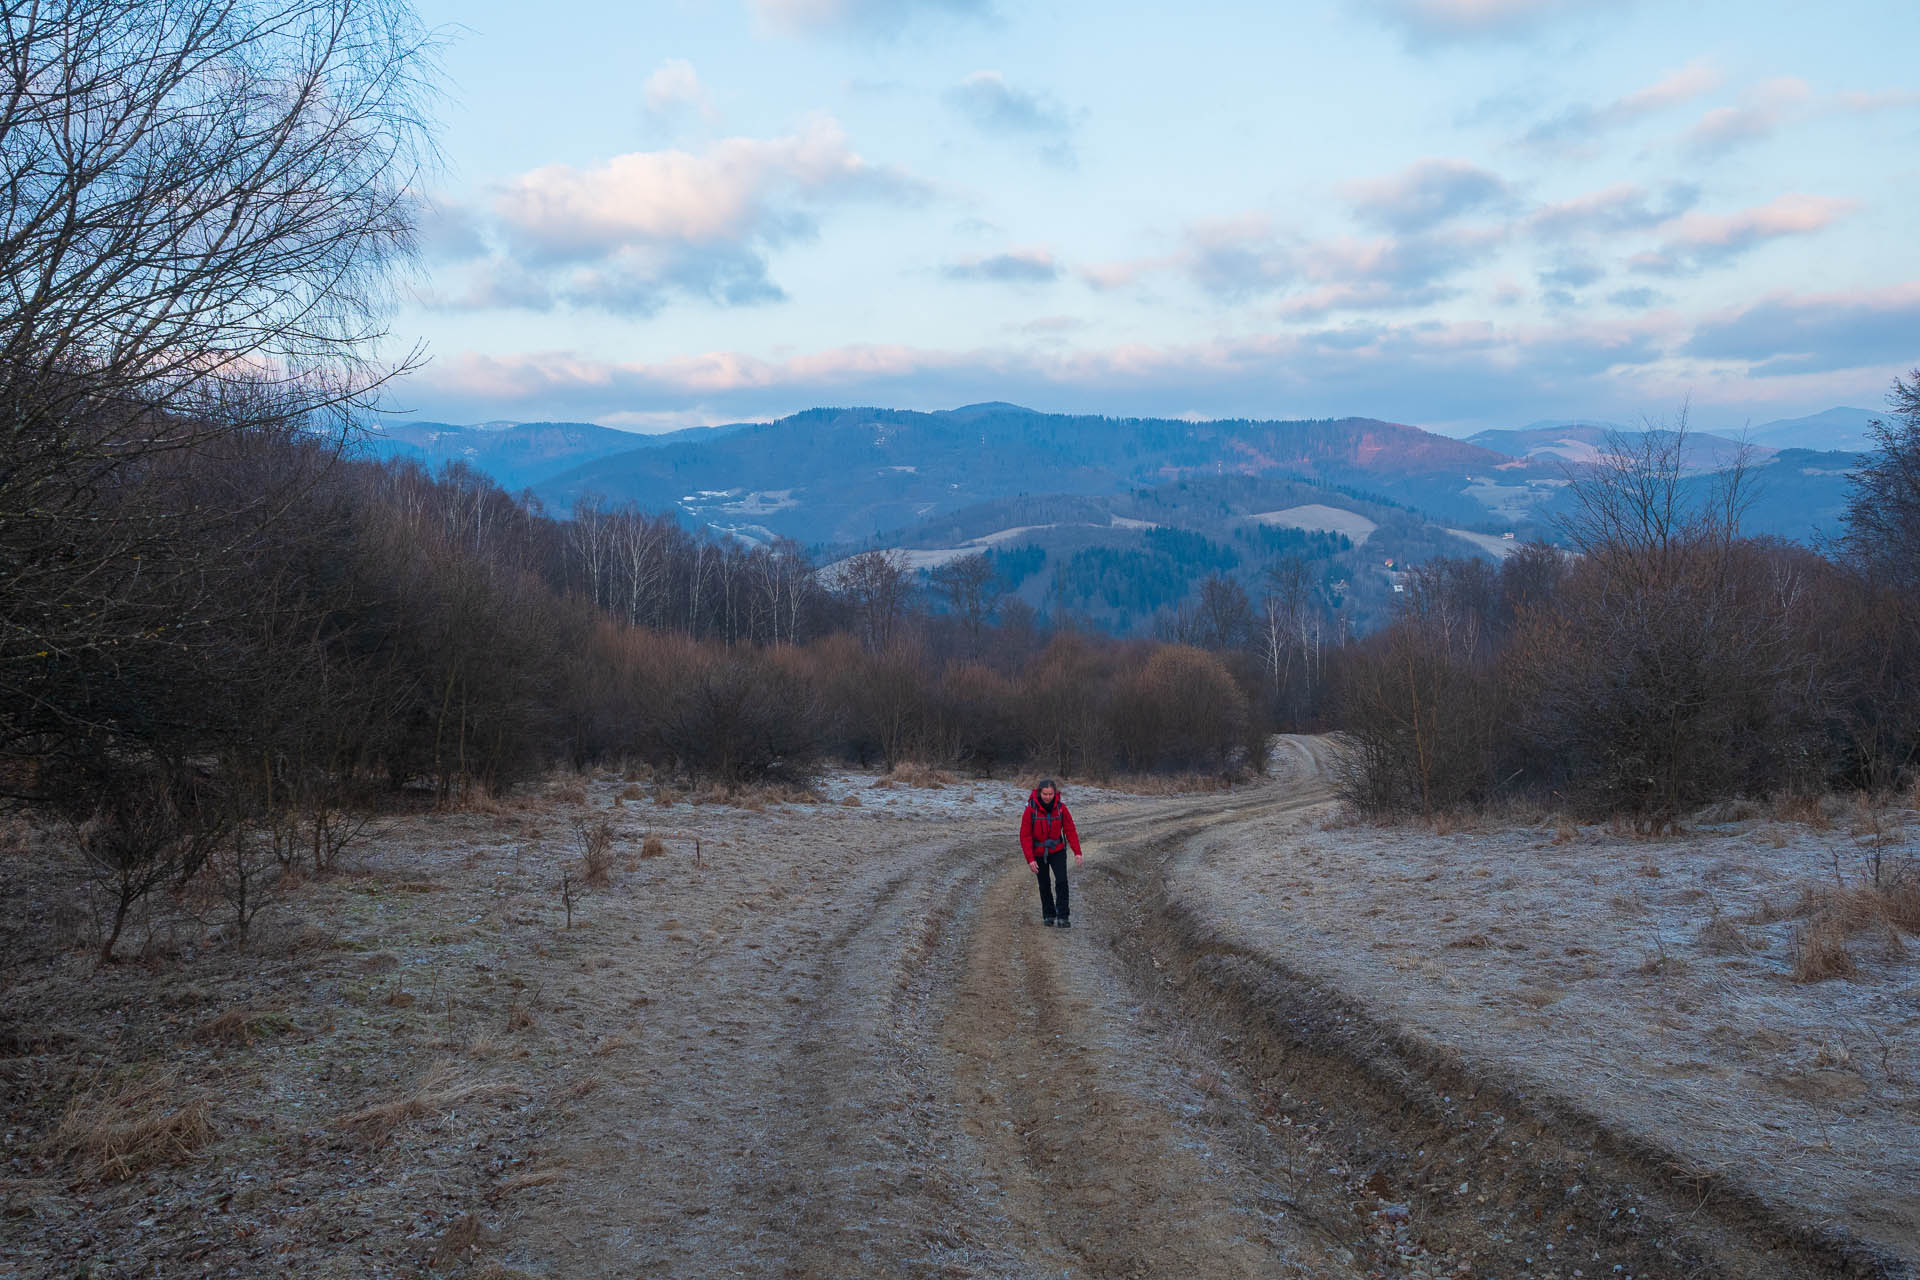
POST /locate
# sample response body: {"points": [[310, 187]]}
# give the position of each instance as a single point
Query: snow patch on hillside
{"points": [[1319, 518]]}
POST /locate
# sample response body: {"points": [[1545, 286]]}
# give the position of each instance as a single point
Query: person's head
{"points": [[1047, 792]]}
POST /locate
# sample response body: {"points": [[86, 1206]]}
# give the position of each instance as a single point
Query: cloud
{"points": [[1619, 208], [1884, 100], [1575, 272], [1785, 335], [873, 17], [1423, 372], [1425, 194], [675, 86], [1637, 299], [1234, 259], [449, 232], [1763, 110], [1426, 23], [1699, 240], [993, 106], [1585, 120], [632, 233], [1016, 266]]}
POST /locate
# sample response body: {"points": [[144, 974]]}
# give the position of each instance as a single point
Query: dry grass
{"points": [[156, 1120], [462, 1242], [1819, 950], [1820, 947], [242, 1026], [1808, 810], [520, 1018], [653, 847], [1723, 937], [1158, 784], [566, 789], [544, 1174], [754, 797], [914, 773], [440, 1090]]}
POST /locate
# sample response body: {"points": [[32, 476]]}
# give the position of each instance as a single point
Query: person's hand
{"points": [[1076, 858], [1034, 867]]}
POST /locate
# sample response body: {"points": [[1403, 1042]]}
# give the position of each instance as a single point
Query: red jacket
{"points": [[1041, 832]]}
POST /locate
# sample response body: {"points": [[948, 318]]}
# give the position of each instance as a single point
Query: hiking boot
{"points": [[1064, 923], [1047, 921]]}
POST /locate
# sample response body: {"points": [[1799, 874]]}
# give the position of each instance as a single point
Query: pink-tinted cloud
{"points": [[739, 189], [1761, 113], [1425, 371], [881, 17], [1789, 334], [1619, 208], [1426, 194], [1698, 240], [1436, 22], [675, 86], [629, 235], [1583, 120]]}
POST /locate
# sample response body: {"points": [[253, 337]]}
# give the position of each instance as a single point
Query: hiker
{"points": [[1046, 833]]}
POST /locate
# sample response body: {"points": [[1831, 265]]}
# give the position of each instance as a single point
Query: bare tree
{"points": [[967, 585], [1883, 511], [205, 203], [877, 585]]}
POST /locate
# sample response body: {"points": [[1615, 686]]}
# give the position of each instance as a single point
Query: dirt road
{"points": [[925, 1081], [839, 1045]]}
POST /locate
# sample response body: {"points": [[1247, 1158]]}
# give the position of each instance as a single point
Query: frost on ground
{"points": [[1647, 982], [459, 1056]]}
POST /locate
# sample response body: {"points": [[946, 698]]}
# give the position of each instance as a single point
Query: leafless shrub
{"points": [[653, 847], [1181, 709], [155, 1120], [1411, 739], [594, 837], [152, 823]]}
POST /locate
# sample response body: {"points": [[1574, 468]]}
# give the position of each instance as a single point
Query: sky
{"points": [[1457, 214]]}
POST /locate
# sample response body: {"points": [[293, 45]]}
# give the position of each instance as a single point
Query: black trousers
{"points": [[1053, 884]]}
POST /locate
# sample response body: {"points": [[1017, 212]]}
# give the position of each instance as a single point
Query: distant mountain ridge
{"points": [[515, 454], [838, 475], [1587, 443], [1111, 520]]}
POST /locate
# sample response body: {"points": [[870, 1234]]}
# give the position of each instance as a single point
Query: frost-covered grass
{"points": [[1741, 993]]}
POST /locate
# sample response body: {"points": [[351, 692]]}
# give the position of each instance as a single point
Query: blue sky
{"points": [[1453, 213]]}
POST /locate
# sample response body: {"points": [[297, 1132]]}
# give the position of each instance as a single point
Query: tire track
{"points": [[1066, 1094]]}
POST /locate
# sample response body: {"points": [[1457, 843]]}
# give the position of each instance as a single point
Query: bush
{"points": [[1180, 710], [1421, 726], [740, 718]]}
